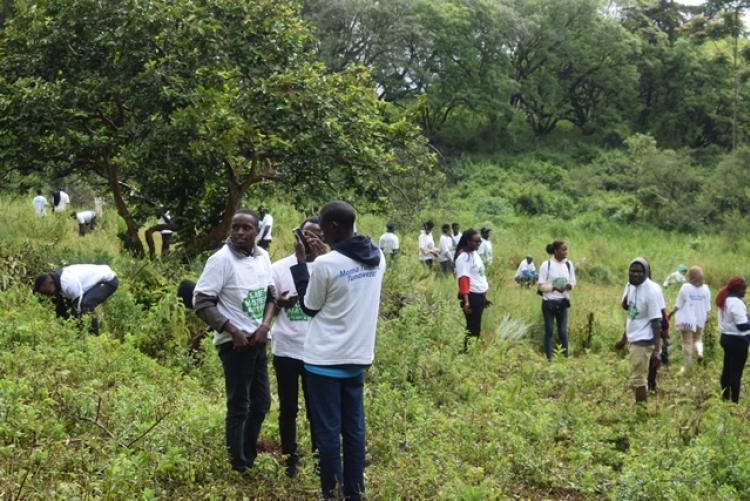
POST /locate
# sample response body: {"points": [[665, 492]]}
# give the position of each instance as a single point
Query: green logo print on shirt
{"points": [[295, 314], [254, 303], [632, 311]]}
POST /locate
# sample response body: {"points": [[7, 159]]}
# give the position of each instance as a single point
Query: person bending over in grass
{"points": [[643, 302], [526, 272], [734, 326], [86, 221], [472, 283], [557, 277], [341, 292], [288, 347], [235, 297], [691, 307], [78, 289]]}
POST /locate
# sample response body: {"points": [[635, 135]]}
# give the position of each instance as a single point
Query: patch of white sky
{"points": [[612, 7]]}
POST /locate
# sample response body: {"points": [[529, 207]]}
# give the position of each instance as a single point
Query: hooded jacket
{"points": [[341, 292]]}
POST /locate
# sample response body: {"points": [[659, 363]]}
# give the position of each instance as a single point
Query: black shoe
{"points": [[291, 466]]}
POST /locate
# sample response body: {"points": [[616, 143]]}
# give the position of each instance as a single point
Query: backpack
{"points": [[567, 265]]}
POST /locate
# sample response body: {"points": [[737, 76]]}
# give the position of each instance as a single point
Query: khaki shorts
{"points": [[639, 359]]}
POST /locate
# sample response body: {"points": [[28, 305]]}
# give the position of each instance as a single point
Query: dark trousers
{"points": [[165, 239], [82, 228], [289, 373], [94, 297], [474, 319], [554, 310], [735, 356], [446, 266], [248, 400], [337, 411]]}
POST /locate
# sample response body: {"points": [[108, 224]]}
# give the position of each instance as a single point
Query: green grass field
{"points": [[131, 414]]}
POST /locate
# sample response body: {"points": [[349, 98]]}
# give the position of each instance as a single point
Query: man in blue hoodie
{"points": [[341, 294]]}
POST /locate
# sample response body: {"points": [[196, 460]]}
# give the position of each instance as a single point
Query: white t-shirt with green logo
{"points": [[469, 264], [241, 286], [289, 330]]}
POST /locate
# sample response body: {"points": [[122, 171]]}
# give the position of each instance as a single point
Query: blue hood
{"points": [[361, 249]]}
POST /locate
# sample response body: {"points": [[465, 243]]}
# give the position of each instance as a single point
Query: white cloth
{"points": [[426, 244], [446, 248], [456, 239], [734, 312], [77, 279], [241, 286], [388, 243], [85, 216], [40, 204], [266, 222], [485, 251], [525, 266], [693, 304], [556, 272], [469, 264], [64, 201], [346, 294], [645, 303], [290, 329]]}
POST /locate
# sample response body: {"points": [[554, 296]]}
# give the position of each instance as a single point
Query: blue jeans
{"points": [[555, 310], [337, 410]]}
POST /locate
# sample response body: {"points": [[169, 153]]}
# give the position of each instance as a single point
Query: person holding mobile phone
{"points": [[236, 297], [340, 291], [288, 346]]}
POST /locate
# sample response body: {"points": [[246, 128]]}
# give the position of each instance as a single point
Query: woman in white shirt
{"points": [[691, 308], [557, 277], [472, 283], [734, 327]]}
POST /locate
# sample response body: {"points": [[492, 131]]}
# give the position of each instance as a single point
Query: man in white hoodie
{"points": [[341, 294]]}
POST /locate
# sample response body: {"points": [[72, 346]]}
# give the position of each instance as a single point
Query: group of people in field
{"points": [[320, 305], [646, 333]]}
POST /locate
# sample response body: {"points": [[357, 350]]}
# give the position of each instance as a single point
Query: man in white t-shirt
{"points": [[165, 221], [526, 272], [446, 250], [78, 289], [86, 221], [485, 248], [60, 200], [40, 204], [644, 302], [235, 297], [341, 293], [456, 231], [266, 227], [288, 346], [388, 242]]}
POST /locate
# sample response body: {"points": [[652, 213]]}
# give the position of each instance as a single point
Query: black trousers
{"points": [[165, 239], [82, 228], [248, 400], [735, 356], [289, 373], [98, 294], [474, 319]]}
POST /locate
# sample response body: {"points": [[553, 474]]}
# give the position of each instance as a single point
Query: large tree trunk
{"points": [[113, 178]]}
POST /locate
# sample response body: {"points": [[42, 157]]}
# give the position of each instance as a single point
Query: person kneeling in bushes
{"points": [[78, 289]]}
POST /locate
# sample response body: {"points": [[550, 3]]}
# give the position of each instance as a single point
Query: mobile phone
{"points": [[301, 236]]}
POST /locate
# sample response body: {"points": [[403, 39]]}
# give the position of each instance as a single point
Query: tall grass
{"points": [[131, 415]]}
